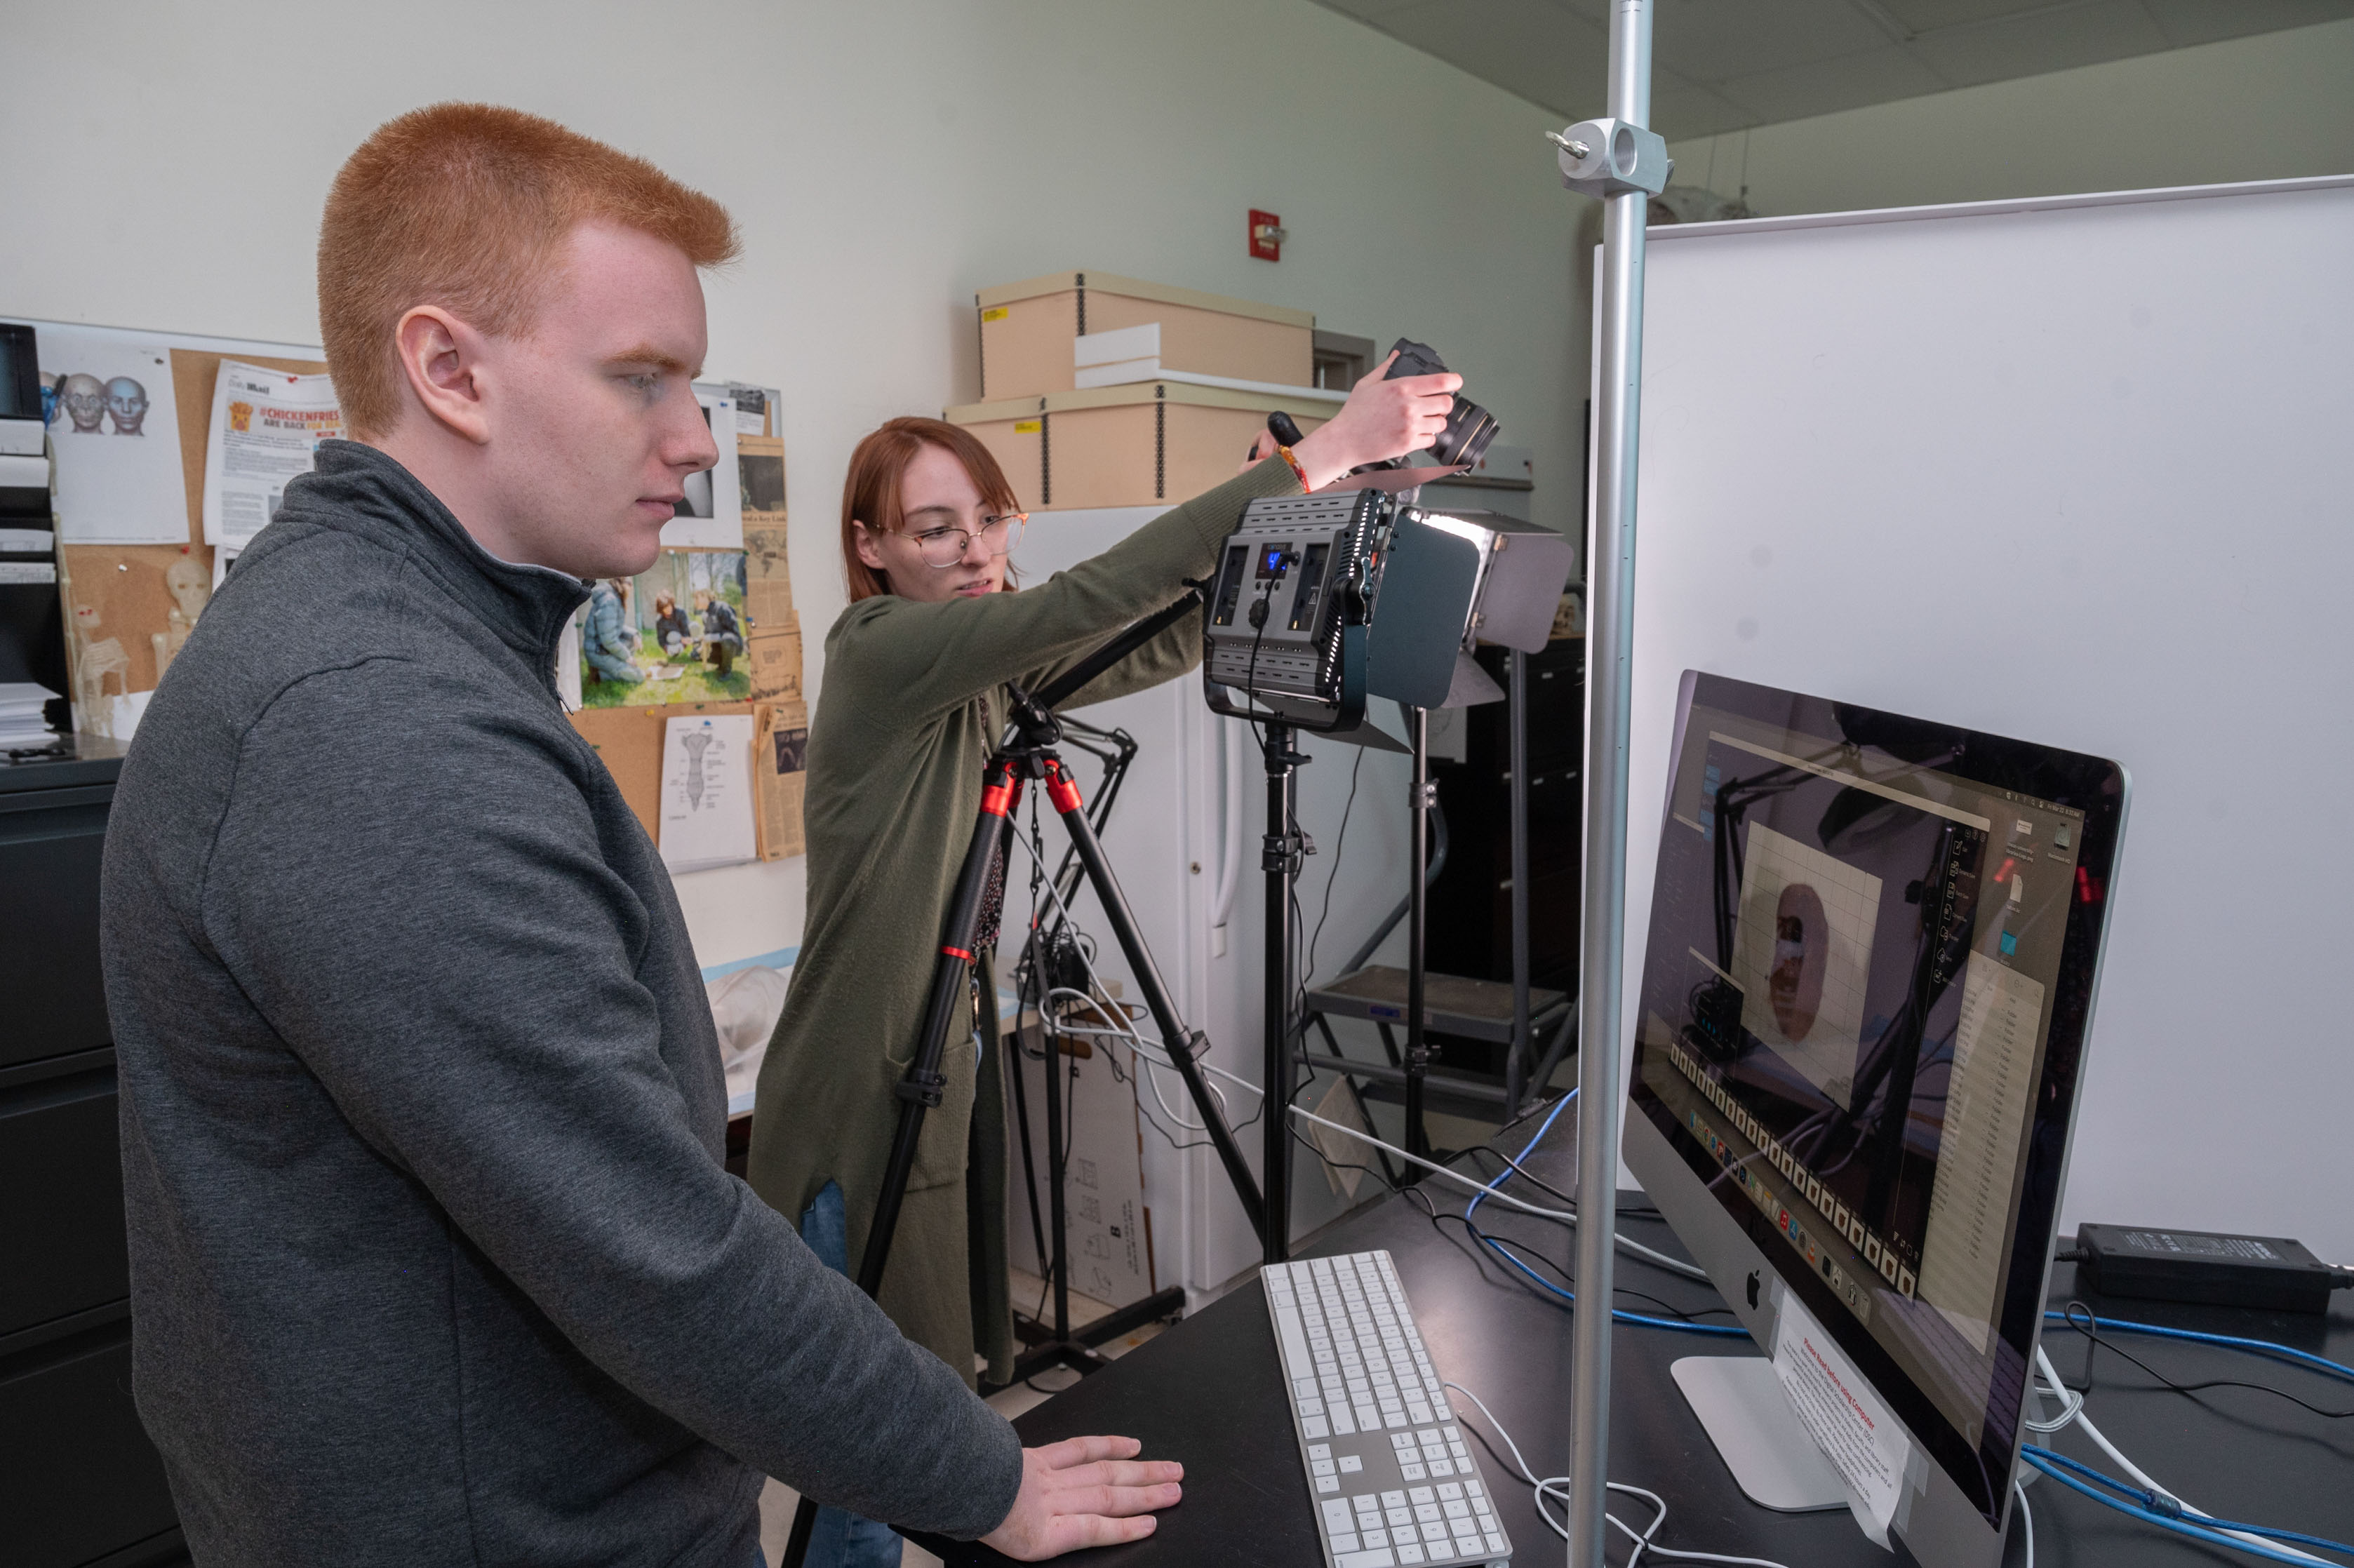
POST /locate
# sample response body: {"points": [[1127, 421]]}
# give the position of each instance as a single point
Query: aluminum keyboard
{"points": [[1395, 1483]]}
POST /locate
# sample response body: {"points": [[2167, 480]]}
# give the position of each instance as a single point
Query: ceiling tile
{"points": [[1927, 15], [1709, 40], [1547, 54], [2206, 21], [1681, 109], [2032, 45], [1826, 87], [1366, 10]]}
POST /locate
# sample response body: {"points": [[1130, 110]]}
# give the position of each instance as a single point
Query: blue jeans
{"points": [[840, 1538]]}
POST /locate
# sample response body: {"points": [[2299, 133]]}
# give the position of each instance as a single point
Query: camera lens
{"points": [[1469, 428]]}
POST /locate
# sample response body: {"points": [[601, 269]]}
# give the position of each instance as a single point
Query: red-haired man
{"points": [[433, 1260]]}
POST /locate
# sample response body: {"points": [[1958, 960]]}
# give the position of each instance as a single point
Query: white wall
{"points": [[2274, 106], [885, 160], [2072, 475]]}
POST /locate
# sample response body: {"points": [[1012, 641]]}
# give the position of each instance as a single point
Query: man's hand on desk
{"points": [[1084, 1491]]}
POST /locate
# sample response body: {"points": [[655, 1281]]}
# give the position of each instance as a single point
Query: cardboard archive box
{"points": [[1125, 446], [1028, 331]]}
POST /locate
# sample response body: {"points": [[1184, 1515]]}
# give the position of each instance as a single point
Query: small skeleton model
{"points": [[99, 658], [190, 592]]}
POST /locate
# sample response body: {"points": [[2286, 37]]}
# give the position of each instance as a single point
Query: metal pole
{"points": [[1610, 630], [1417, 1047], [1521, 1055], [1279, 859]]}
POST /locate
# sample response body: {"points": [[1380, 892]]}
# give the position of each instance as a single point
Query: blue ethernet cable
{"points": [[1715, 1329], [2042, 1459], [2265, 1348]]}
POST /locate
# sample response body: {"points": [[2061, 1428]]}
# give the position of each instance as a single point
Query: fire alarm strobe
{"points": [[1266, 236]]}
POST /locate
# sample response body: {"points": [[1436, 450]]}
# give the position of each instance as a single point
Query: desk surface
{"points": [[1207, 1393]]}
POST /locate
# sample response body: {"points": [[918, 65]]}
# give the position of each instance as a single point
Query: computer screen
{"points": [[1863, 1008]]}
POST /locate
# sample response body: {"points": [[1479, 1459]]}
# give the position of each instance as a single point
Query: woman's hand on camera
{"points": [[1382, 419]]}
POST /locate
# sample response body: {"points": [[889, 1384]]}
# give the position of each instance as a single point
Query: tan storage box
{"points": [[1124, 446], [1028, 331]]}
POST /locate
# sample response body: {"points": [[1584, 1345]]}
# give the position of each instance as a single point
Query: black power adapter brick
{"points": [[2270, 1272]]}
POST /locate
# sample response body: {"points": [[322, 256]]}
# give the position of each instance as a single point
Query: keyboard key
{"points": [[1420, 1494], [1367, 1503], [1328, 1483], [1350, 1464], [1463, 1527], [1455, 1508], [1320, 1467], [1341, 1425], [1449, 1492], [1440, 1467], [1428, 1513], [1433, 1534], [1373, 1538], [1402, 1516], [1497, 1544], [1427, 1436], [1344, 1543], [1408, 1555], [1418, 1411], [1314, 1425], [1472, 1486], [1411, 1472], [1336, 1513]]}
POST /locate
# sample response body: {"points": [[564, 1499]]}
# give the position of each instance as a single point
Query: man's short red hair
{"points": [[463, 205]]}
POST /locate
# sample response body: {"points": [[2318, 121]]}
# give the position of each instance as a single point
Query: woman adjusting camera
{"points": [[914, 699]]}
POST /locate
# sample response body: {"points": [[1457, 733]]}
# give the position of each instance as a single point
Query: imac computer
{"points": [[1873, 946]]}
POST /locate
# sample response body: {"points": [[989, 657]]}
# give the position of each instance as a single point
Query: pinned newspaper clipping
{"points": [[266, 428]]}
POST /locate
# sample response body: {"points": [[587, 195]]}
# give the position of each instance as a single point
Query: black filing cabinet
{"points": [[81, 1486]]}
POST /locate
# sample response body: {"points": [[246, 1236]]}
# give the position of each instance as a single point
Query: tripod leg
{"points": [[1065, 797], [920, 1090]]}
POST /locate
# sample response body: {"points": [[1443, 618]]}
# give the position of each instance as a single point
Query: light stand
{"points": [[1281, 851], [1625, 164], [1418, 932]]}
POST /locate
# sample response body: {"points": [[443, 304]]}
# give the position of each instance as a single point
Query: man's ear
{"points": [[441, 358], [869, 551]]}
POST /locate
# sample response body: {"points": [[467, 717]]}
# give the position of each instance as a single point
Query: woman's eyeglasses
{"points": [[944, 547]]}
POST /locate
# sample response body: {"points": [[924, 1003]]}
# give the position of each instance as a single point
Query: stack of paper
{"points": [[22, 728]]}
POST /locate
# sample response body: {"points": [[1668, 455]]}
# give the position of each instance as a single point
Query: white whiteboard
{"points": [[2076, 471]]}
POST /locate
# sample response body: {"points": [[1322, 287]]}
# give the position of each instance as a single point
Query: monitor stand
{"points": [[1741, 1405]]}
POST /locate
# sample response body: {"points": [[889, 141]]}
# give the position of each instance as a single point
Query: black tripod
{"points": [[1029, 754]]}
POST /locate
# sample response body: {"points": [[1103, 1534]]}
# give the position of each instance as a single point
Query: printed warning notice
{"points": [[1856, 1432]]}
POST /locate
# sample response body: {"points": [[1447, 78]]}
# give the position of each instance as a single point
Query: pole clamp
{"points": [[919, 1084], [1429, 790], [1610, 157], [1284, 852]]}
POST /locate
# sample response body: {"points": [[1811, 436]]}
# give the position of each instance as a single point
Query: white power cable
{"points": [[1230, 861], [2026, 1518], [1566, 1217], [2100, 1440], [1558, 1487], [1119, 1030]]}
